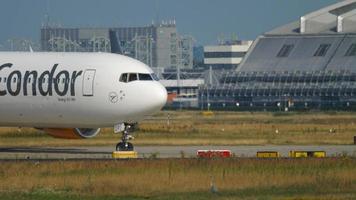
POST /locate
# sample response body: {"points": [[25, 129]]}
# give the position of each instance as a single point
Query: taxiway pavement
{"points": [[105, 152]]}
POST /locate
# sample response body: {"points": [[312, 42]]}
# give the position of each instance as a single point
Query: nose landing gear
{"points": [[124, 145]]}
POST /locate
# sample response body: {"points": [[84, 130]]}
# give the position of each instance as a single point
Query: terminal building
{"points": [[306, 64], [159, 46], [227, 55]]}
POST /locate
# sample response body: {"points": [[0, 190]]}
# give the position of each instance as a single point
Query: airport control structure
{"points": [[158, 45], [306, 64]]}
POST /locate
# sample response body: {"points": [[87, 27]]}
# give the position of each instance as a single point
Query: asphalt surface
{"points": [[164, 151]]}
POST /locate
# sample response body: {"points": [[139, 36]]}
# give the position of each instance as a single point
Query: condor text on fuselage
{"points": [[61, 82]]}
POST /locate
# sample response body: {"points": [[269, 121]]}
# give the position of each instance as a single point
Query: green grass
{"points": [[223, 128], [329, 178], [301, 193]]}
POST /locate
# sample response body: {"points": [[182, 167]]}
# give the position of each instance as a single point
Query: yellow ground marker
{"points": [[307, 154], [124, 154], [267, 154]]}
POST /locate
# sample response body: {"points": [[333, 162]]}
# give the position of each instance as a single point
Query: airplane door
{"points": [[88, 82]]}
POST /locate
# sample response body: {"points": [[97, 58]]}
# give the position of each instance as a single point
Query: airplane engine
{"points": [[72, 133]]}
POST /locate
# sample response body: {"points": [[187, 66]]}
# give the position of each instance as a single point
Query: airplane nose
{"points": [[160, 96]]}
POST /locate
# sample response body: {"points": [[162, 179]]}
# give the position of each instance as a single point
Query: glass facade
{"points": [[224, 54], [280, 90]]}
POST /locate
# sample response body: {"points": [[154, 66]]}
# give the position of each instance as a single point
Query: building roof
{"points": [[302, 56], [336, 18]]}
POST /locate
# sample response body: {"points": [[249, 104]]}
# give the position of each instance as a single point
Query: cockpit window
{"points": [[123, 77], [155, 77], [129, 77], [144, 77], [132, 77]]}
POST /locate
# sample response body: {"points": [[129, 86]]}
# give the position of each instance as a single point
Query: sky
{"points": [[205, 20]]}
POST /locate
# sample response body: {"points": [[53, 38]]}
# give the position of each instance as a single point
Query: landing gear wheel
{"points": [[122, 146]]}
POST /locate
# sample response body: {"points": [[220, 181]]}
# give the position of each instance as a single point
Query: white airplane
{"points": [[73, 95]]}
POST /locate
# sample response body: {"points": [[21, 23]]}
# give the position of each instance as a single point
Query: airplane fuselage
{"points": [[74, 90]]}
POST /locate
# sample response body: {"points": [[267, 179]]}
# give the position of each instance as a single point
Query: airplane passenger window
{"points": [[132, 77], [0, 79], [123, 78], [144, 77]]}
